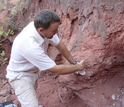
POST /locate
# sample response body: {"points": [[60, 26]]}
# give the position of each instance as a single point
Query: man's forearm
{"points": [[64, 69], [64, 51], [67, 69]]}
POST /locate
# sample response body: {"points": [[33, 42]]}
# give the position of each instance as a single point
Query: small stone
{"points": [[113, 97]]}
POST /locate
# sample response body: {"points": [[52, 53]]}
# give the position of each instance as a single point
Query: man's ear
{"points": [[40, 30]]}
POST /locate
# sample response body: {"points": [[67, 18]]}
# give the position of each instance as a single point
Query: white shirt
{"points": [[28, 55]]}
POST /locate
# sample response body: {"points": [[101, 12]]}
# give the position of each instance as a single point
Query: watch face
{"points": [[74, 62]]}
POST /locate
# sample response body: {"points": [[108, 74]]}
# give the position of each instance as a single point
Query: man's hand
{"points": [[81, 65]]}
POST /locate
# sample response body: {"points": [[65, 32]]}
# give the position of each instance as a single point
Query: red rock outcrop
{"points": [[93, 31]]}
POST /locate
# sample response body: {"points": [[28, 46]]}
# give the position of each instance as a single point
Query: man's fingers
{"points": [[82, 62]]}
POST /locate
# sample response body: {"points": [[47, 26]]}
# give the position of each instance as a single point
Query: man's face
{"points": [[52, 30]]}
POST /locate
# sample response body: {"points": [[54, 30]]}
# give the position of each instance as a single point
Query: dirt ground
{"points": [[108, 94], [51, 93]]}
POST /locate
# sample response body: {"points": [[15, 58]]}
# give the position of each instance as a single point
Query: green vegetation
{"points": [[12, 22], [2, 59], [5, 35]]}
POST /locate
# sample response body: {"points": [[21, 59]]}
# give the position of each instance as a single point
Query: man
{"points": [[28, 57]]}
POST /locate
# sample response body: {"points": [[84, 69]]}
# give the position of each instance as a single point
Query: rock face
{"points": [[92, 30]]}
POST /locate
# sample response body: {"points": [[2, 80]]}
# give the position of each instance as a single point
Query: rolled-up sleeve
{"points": [[55, 40]]}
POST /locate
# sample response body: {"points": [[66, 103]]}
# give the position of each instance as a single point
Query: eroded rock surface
{"points": [[93, 31]]}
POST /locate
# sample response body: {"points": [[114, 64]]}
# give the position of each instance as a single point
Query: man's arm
{"points": [[67, 69], [64, 51]]}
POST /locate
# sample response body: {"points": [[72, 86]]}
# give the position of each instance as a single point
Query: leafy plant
{"points": [[3, 61], [3, 21], [5, 35], [1, 31], [3, 53], [9, 32]]}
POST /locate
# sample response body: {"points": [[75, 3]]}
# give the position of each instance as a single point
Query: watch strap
{"points": [[74, 63]]}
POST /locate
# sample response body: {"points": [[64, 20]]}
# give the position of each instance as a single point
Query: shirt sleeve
{"points": [[37, 57], [55, 40]]}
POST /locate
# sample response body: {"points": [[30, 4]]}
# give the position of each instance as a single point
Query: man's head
{"points": [[46, 23]]}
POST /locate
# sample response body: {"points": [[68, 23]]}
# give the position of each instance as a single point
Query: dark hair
{"points": [[44, 18]]}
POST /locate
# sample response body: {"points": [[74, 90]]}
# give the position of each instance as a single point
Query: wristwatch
{"points": [[74, 63]]}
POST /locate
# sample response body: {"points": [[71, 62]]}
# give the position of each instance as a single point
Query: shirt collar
{"points": [[35, 33]]}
